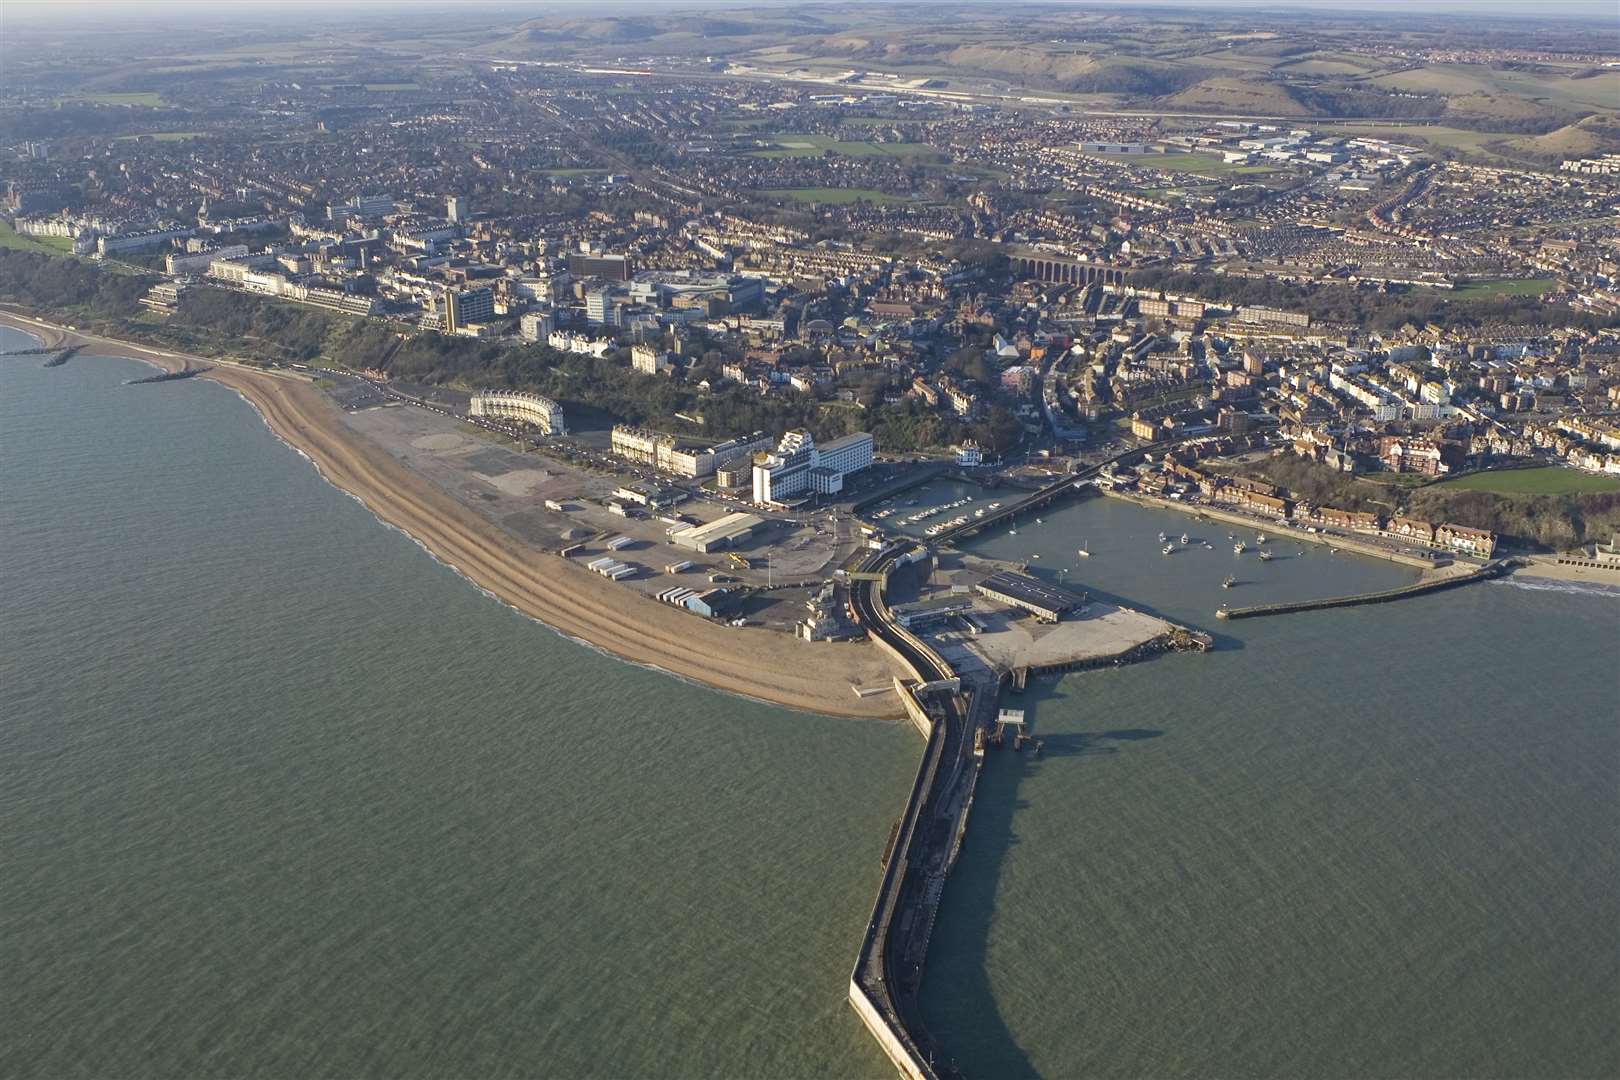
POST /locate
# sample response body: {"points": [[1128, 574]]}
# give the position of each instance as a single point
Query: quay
{"points": [[1179, 639], [1484, 573], [1071, 484]]}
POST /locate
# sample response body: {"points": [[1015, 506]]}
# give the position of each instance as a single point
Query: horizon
{"points": [[216, 11]]}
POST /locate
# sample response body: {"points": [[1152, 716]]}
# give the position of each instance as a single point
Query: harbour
{"points": [[997, 1006]]}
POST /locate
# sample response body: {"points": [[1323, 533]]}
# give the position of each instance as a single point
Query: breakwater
{"points": [[62, 356], [167, 376], [1490, 570]]}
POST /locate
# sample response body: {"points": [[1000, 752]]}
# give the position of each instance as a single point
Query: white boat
{"points": [[1183, 539], [1260, 539], [995, 506], [1168, 549], [1034, 556], [1012, 532], [1163, 538], [1082, 552], [1238, 548], [979, 512], [1038, 521], [1229, 582], [1265, 556]]}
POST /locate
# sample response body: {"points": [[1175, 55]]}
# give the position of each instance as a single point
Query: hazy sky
{"points": [[260, 9]]}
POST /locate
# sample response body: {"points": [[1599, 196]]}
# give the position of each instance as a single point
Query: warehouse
{"points": [[1047, 603], [723, 532]]}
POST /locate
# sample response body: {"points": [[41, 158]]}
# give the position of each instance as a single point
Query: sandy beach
{"points": [[1548, 567], [814, 677]]}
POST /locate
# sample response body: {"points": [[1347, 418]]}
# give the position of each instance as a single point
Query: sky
{"points": [[1604, 10]]}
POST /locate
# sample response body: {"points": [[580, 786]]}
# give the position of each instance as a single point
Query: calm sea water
{"points": [[1366, 842], [281, 796]]}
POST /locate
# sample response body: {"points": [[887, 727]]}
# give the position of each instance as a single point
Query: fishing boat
{"points": [[1163, 538], [1265, 556], [1083, 552], [1238, 548], [1184, 540], [1168, 549], [1260, 539], [1229, 582]]}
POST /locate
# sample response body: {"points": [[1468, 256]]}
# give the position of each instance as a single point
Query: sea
{"points": [[281, 795]]}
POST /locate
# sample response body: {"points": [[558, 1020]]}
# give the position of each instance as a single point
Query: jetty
{"points": [[1452, 581]]}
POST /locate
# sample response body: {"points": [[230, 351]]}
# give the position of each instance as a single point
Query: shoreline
{"points": [[762, 665]]}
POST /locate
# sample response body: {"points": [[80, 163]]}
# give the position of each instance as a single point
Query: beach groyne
{"points": [[1452, 581]]}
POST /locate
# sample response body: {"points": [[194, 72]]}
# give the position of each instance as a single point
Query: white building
{"points": [[798, 466], [563, 341], [648, 360], [968, 455], [536, 325], [517, 405]]}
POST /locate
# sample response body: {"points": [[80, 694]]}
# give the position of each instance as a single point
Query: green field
{"points": [[45, 245], [147, 98], [833, 196], [816, 145], [1507, 287], [1552, 480]]}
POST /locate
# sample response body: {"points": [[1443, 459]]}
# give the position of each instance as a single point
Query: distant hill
{"points": [[1587, 137]]}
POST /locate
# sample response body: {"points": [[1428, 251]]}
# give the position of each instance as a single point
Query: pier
{"points": [[887, 978], [1484, 573]]}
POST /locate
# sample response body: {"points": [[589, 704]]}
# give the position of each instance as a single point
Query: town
{"points": [[711, 339]]}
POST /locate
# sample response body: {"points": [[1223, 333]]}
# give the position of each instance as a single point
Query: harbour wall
{"points": [[1491, 570]]}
